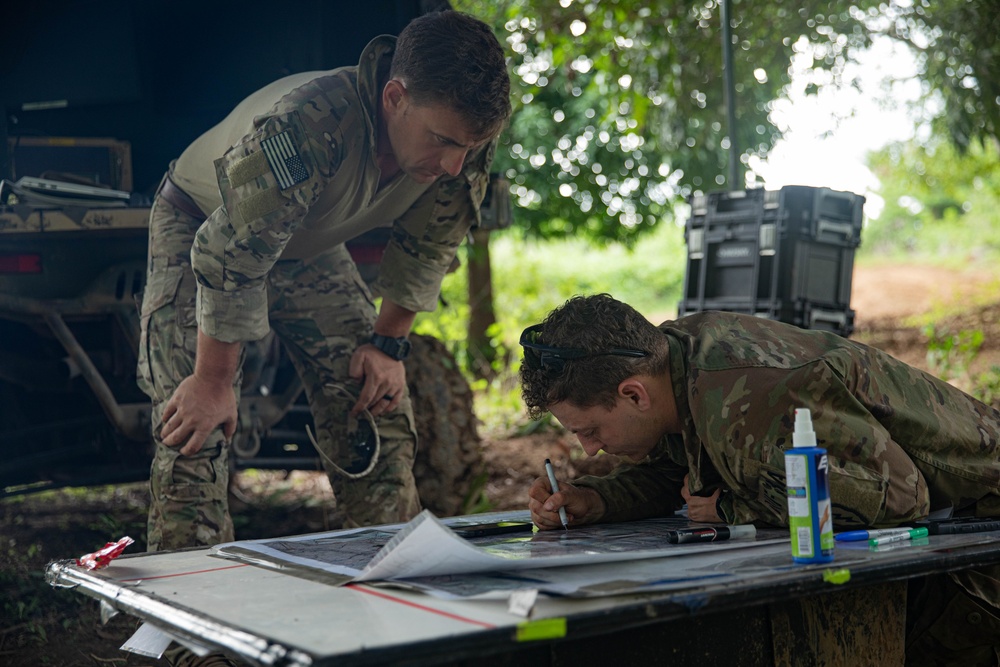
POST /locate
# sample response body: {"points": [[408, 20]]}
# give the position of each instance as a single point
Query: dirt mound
{"points": [[895, 305], [882, 295]]}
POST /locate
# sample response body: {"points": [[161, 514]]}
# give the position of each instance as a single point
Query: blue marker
{"points": [[858, 535]]}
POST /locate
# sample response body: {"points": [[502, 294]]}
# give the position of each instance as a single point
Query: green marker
{"points": [[900, 537]]}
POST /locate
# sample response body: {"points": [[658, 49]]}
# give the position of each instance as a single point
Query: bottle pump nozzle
{"points": [[803, 435]]}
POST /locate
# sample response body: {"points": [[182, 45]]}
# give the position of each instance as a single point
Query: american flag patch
{"points": [[285, 161]]}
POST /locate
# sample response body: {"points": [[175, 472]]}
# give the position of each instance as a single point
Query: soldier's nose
{"points": [[452, 162]]}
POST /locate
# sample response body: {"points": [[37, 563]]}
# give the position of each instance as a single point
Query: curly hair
{"points": [[594, 323], [454, 59]]}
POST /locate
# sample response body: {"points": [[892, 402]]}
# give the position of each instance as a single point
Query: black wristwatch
{"points": [[397, 348]]}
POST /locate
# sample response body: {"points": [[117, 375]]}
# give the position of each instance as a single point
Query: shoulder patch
{"points": [[284, 159]]}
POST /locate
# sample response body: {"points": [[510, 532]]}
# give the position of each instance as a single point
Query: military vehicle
{"points": [[70, 410]]}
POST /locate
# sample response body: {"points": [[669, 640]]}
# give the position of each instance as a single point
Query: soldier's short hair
{"points": [[596, 324], [454, 59]]}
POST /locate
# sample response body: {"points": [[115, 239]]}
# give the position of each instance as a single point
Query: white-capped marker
{"points": [[901, 537], [555, 489]]}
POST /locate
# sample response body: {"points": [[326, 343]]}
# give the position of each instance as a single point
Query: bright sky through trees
{"points": [[826, 136]]}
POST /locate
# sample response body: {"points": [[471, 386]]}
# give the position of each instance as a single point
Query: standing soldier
{"points": [[246, 237]]}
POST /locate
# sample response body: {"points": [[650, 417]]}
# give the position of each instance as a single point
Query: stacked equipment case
{"points": [[786, 255]]}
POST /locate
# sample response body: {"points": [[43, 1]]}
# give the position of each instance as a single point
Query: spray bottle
{"points": [[810, 515]]}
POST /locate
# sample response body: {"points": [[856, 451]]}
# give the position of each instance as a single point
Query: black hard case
{"points": [[785, 254]]}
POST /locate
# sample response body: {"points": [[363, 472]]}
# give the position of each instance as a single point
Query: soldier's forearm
{"points": [[394, 320], [217, 361]]}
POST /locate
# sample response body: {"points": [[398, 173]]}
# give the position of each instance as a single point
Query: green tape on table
{"points": [[841, 576], [546, 628]]}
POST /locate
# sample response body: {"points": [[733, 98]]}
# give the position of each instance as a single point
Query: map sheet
{"points": [[428, 547]]}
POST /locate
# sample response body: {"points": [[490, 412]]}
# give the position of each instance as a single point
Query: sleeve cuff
{"points": [[739, 512], [410, 283], [619, 505], [233, 317], [724, 507]]}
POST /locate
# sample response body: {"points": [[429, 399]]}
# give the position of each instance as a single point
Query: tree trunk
{"points": [[482, 354]]}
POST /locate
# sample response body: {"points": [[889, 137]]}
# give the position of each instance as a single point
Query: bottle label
{"points": [[810, 517], [799, 515]]}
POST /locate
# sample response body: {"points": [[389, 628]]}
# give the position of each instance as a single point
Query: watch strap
{"points": [[397, 348]]}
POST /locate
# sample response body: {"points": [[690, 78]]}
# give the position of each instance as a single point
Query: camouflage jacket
{"points": [[900, 442], [298, 175]]}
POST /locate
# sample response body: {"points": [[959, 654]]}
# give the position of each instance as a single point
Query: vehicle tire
{"points": [[449, 464]]}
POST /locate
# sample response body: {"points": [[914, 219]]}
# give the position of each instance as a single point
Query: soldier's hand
{"points": [[583, 505], [195, 410], [384, 380], [701, 509]]}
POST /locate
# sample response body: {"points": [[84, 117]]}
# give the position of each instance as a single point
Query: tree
{"points": [[939, 201], [619, 107], [958, 52]]}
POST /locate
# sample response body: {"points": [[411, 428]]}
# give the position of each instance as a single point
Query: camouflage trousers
{"points": [[321, 311], [953, 620]]}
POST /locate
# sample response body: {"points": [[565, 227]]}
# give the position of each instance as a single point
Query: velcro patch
{"points": [[246, 169], [284, 158]]}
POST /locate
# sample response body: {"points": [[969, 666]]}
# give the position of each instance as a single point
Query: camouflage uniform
{"points": [[297, 177], [901, 444]]}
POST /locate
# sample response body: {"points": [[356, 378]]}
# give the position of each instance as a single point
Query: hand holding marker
{"points": [[555, 489]]}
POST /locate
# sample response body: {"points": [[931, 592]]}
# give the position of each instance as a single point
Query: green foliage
{"points": [[476, 501], [532, 278], [620, 109], [619, 106], [543, 423], [938, 201], [26, 597], [498, 403], [958, 53], [987, 387], [949, 355]]}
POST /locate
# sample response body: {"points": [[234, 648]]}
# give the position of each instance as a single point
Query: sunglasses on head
{"points": [[540, 356]]}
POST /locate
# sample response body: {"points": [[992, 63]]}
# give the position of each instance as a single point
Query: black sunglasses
{"points": [[537, 355]]}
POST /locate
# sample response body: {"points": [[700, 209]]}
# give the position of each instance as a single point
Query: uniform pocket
{"points": [[157, 325], [161, 289], [966, 623]]}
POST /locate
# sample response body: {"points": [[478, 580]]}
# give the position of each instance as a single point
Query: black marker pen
{"points": [[709, 534]]}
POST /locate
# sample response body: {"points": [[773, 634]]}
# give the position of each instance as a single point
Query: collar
{"points": [[374, 57]]}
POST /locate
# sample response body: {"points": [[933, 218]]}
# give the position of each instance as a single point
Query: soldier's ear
{"points": [[394, 96], [635, 392]]}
